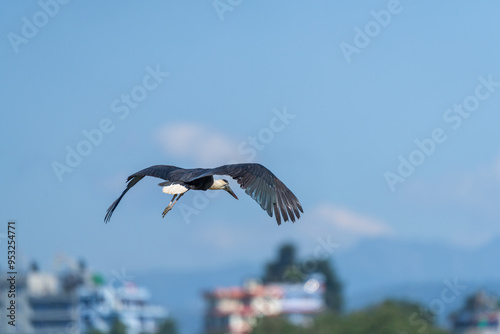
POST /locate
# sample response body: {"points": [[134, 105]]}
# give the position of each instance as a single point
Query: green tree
{"points": [[168, 326], [280, 270], [286, 268], [275, 325], [389, 317], [118, 328], [333, 295], [94, 331]]}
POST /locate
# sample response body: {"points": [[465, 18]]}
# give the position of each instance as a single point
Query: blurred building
{"points": [[74, 301], [238, 309], [101, 306], [42, 305], [481, 315]]}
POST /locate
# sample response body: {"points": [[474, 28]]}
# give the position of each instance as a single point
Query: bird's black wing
{"points": [[263, 186], [159, 171]]}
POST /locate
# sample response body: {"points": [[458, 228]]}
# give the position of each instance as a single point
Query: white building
{"points": [[72, 303], [43, 306], [100, 306]]}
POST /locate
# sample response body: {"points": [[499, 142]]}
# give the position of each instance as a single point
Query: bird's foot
{"points": [[167, 209]]}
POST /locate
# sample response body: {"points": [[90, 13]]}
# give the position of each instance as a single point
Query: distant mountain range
{"points": [[383, 262], [372, 271]]}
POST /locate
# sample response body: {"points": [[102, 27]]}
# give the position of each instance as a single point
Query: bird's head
{"points": [[223, 185]]}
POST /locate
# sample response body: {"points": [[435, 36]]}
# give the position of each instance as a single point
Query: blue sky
{"points": [[221, 79]]}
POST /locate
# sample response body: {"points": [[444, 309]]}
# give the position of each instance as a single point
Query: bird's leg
{"points": [[171, 205]]}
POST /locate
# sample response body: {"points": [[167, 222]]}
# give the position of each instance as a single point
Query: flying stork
{"points": [[258, 181]]}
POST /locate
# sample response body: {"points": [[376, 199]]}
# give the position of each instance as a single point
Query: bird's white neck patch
{"points": [[218, 185]]}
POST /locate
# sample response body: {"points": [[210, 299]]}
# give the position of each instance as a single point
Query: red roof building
{"points": [[237, 309]]}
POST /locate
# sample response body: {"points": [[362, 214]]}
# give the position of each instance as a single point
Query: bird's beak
{"points": [[231, 192]]}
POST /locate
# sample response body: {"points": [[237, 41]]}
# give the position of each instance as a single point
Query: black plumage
{"points": [[258, 181]]}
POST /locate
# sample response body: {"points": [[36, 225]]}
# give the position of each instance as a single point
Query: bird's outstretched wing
{"points": [[262, 185], [159, 171]]}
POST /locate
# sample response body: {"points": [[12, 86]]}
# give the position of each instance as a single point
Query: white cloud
{"points": [[204, 145], [344, 226]]}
